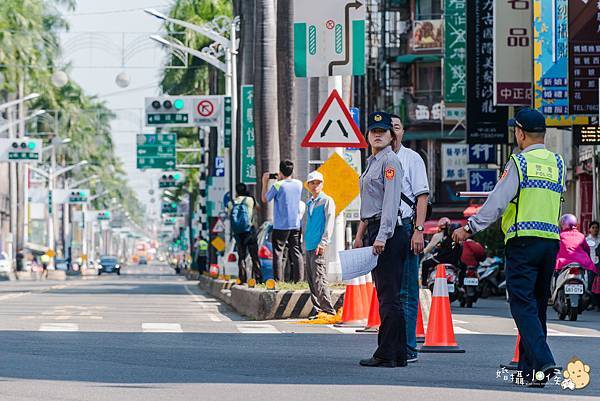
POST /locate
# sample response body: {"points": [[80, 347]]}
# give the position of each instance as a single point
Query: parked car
{"points": [[143, 260], [5, 263], [108, 264]]}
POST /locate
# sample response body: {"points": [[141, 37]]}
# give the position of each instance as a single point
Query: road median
{"points": [[263, 304]]}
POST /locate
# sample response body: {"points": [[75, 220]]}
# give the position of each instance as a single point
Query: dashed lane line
{"points": [[257, 329], [59, 327], [161, 328]]}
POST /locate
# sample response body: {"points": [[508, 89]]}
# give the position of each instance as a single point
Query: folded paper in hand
{"points": [[357, 262]]}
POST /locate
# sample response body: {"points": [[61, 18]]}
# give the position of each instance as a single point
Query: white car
{"points": [[5, 263]]}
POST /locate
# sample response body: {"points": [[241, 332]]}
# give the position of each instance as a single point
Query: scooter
{"points": [[491, 275], [468, 290], [569, 292], [451, 277]]}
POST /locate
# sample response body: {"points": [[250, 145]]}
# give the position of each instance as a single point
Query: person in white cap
{"points": [[320, 220]]}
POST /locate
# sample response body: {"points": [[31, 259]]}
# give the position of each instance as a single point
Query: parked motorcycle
{"points": [[491, 275], [570, 295], [468, 289], [451, 277]]}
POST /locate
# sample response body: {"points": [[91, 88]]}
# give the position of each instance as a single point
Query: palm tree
{"points": [[286, 88], [265, 89]]}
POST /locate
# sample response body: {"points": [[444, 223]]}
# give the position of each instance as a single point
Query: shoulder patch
{"points": [[390, 173]]}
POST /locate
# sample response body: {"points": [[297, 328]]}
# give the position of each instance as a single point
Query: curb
{"points": [[261, 304], [57, 275]]}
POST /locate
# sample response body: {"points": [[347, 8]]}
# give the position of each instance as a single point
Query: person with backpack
{"points": [[242, 226]]}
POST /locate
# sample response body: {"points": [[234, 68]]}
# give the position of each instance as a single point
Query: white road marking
{"points": [[16, 295], [59, 327], [214, 318], [161, 328], [343, 330], [257, 329], [460, 330], [459, 321]]}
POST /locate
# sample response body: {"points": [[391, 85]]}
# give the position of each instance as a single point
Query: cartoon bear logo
{"points": [[577, 375]]}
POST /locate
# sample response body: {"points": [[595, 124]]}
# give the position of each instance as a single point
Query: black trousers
{"points": [[248, 244], [530, 262], [387, 275], [279, 239]]}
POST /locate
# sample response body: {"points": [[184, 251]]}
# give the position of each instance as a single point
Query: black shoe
{"points": [[549, 372], [401, 364], [378, 363]]}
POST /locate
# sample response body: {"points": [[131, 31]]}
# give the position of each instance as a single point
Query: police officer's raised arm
{"points": [[392, 176], [497, 201]]}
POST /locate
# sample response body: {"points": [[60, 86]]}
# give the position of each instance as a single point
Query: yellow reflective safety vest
{"points": [[535, 211], [202, 247]]}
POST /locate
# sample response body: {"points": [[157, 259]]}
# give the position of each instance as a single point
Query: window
{"points": [[428, 9], [429, 78]]}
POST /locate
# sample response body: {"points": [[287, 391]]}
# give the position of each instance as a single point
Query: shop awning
{"points": [[421, 58]]}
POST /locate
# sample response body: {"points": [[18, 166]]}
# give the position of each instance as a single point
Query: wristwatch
{"points": [[467, 228], [420, 228]]}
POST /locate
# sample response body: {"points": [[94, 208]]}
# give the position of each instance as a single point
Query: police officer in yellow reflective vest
{"points": [[528, 196], [381, 228], [202, 253]]}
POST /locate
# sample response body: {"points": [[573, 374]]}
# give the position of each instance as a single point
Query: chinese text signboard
{"points": [[248, 159], [584, 56], [454, 162], [586, 135], [486, 123], [156, 151], [512, 52], [455, 69], [550, 58], [482, 154], [482, 180]]}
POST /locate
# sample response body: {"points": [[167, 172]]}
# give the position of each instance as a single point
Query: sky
{"points": [[107, 38]]}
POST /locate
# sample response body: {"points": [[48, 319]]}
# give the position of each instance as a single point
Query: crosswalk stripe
{"points": [[257, 329], [59, 327], [161, 328], [214, 318]]}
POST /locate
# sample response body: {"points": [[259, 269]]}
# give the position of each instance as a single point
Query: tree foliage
{"points": [[30, 51]]}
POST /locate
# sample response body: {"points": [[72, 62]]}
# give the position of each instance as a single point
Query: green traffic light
{"points": [[177, 176], [178, 104], [31, 145], [173, 205]]}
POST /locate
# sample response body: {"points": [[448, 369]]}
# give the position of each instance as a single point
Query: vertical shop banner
{"points": [[512, 52], [455, 68], [486, 123], [247, 152], [550, 58], [584, 56]]}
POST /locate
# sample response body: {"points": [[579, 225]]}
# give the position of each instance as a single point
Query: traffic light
{"points": [[78, 196], [169, 180], [24, 149], [168, 208], [167, 111], [103, 215]]}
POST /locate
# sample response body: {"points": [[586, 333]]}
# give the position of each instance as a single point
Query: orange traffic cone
{"points": [[365, 295], [420, 327], [514, 363], [374, 321], [440, 332], [353, 313], [370, 286]]}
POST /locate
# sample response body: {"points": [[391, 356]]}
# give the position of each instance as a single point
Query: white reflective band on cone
{"points": [[440, 287]]}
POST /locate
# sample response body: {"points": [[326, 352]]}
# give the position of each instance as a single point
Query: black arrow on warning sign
{"points": [[326, 128], [339, 123]]}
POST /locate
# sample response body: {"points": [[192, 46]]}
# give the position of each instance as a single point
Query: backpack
{"points": [[240, 218]]}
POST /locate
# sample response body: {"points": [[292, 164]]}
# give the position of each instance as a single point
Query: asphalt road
{"points": [[150, 335]]}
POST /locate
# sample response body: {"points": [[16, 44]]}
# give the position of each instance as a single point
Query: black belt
{"points": [[375, 219]]}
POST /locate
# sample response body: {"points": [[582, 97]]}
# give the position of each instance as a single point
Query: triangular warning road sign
{"points": [[219, 227], [334, 127]]}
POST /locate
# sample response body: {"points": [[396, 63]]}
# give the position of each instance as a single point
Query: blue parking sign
{"points": [[482, 180]]}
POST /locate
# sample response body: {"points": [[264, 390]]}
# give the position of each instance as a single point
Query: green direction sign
{"points": [[248, 159], [455, 45], [156, 151], [227, 121]]}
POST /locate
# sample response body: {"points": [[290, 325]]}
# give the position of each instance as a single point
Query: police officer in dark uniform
{"points": [[380, 227]]}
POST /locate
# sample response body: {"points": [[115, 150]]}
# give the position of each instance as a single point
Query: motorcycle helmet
{"points": [[568, 222]]}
